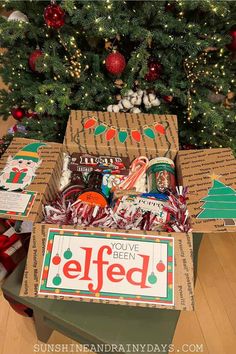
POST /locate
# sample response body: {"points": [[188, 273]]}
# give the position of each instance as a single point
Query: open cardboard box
{"points": [[193, 170]]}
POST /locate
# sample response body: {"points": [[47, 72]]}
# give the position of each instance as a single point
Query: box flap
{"points": [[27, 174], [211, 177], [177, 274], [89, 132]]}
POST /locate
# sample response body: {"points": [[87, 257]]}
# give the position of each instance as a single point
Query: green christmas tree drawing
{"points": [[220, 203]]}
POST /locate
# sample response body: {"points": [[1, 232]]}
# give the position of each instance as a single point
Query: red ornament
{"points": [[232, 46], [54, 16], [115, 63], [110, 134], [56, 260], [160, 266], [31, 114], [90, 123], [154, 70], [13, 129], [136, 135], [167, 99], [159, 128], [33, 58], [18, 113]]}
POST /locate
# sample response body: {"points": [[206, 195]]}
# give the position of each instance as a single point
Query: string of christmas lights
{"points": [[75, 59]]}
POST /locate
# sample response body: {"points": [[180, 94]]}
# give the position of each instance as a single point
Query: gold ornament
{"points": [[119, 83], [108, 45], [75, 66], [228, 100]]}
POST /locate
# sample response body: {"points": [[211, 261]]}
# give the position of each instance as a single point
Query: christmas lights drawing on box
{"points": [[112, 131], [220, 203]]}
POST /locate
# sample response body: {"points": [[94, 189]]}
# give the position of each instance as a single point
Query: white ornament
{"points": [[135, 99], [18, 16], [129, 93], [151, 97], [113, 108], [146, 101], [125, 104], [151, 100], [135, 110], [156, 102], [140, 93]]}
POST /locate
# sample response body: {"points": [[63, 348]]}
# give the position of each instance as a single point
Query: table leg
{"points": [[42, 330]]}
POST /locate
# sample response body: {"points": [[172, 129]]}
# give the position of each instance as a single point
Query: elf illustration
{"points": [[20, 170]]}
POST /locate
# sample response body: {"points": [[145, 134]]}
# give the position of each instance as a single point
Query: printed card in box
{"points": [[27, 176], [210, 175], [147, 269], [115, 266]]}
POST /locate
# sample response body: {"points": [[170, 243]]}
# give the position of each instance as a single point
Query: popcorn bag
{"points": [[118, 213]]}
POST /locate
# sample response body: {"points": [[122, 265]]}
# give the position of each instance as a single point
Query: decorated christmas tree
{"points": [[159, 57], [220, 202]]}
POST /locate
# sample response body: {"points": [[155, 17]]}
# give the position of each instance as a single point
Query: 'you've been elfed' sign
{"points": [[109, 266]]}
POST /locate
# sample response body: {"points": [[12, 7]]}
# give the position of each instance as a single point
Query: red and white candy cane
{"points": [[137, 171]]}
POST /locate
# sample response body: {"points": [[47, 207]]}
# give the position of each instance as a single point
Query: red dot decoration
{"points": [[49, 247], [170, 278], [45, 274], [160, 267], [56, 260]]}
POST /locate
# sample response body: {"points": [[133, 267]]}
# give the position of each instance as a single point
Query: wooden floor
{"points": [[211, 327]]}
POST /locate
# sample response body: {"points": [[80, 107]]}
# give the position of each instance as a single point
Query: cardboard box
{"points": [[49, 247], [29, 172]]}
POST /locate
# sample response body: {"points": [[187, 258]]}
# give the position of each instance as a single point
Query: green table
{"points": [[90, 323]]}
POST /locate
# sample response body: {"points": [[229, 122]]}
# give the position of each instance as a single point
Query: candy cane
{"points": [[137, 171]]}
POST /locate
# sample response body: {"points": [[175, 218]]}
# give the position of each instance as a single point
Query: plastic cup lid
{"points": [[158, 160]]}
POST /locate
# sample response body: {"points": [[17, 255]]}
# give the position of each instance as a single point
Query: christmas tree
{"points": [[220, 202], [154, 56]]}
